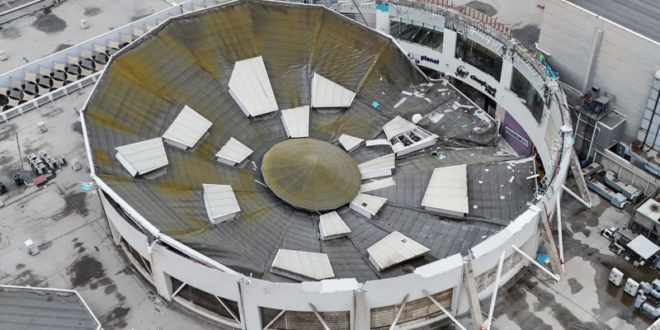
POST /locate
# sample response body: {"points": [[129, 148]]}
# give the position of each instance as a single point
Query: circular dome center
{"points": [[311, 174]]}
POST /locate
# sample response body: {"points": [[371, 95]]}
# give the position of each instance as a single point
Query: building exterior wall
{"points": [[623, 65], [169, 258]]}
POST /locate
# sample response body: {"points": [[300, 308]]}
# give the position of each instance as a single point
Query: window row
{"points": [[418, 32]]}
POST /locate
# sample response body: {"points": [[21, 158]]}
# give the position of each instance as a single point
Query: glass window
{"points": [[528, 94], [479, 56], [418, 32]]}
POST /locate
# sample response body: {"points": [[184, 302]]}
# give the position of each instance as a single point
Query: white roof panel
{"points": [[333, 224], [378, 184], [296, 121], [143, 157], [234, 150], [249, 82], [311, 265], [447, 189], [397, 126], [395, 248], [220, 200], [642, 246], [349, 142], [188, 127], [328, 94], [380, 163], [370, 203]]}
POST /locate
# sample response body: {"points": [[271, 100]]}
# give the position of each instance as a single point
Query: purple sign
{"points": [[516, 136]]}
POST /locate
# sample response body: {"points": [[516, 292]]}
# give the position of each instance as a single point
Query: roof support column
{"points": [[361, 311], [579, 179], [318, 316], [549, 240], [451, 317], [275, 319], [396, 318], [489, 321], [555, 276], [472, 295]]}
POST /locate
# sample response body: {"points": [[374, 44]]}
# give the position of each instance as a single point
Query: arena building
{"points": [[283, 166]]}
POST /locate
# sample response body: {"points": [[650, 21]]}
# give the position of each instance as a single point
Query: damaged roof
{"points": [[188, 60]]}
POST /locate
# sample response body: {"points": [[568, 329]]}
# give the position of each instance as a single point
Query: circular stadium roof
{"points": [[311, 174], [188, 61]]}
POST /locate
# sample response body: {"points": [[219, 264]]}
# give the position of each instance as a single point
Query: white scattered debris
{"points": [[398, 104], [381, 78], [476, 207], [511, 180], [430, 84], [501, 197], [437, 117], [406, 93], [486, 170], [509, 167], [481, 182], [442, 90], [427, 100], [449, 110], [467, 106]]}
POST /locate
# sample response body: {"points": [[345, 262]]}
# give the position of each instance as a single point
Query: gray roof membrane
{"points": [[641, 16], [188, 60], [35, 309]]}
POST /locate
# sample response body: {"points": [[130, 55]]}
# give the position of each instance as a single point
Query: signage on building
{"points": [[461, 72], [428, 59], [489, 89], [516, 136]]}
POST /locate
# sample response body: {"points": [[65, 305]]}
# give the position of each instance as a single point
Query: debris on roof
{"points": [[395, 248], [332, 226], [142, 157], [406, 137], [296, 122], [232, 153], [367, 205], [349, 142], [250, 87], [302, 265], [186, 130], [447, 192], [376, 168], [328, 94], [220, 202]]}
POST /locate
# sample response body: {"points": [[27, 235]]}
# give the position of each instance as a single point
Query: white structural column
{"points": [[451, 317], [593, 54], [489, 321], [561, 235], [361, 311], [579, 199], [579, 179], [549, 240], [472, 295], [555, 276], [396, 318]]}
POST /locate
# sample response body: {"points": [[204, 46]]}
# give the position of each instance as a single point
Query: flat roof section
{"points": [[220, 201], [328, 94], [395, 248], [188, 127], [296, 122], [250, 87], [311, 265], [448, 190], [43, 309], [142, 157], [641, 16], [349, 142]]}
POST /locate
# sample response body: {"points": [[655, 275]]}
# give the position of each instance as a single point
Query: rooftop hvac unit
{"points": [[18, 179], [631, 287], [61, 160], [41, 126], [75, 164], [616, 277], [33, 249], [3, 188], [3, 55]]}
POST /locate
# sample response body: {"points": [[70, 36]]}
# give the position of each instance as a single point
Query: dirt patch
{"points": [[61, 47], [78, 244], [20, 266], [77, 127], [7, 131], [6, 160], [575, 285], [84, 270], [52, 113], [116, 318], [74, 202], [140, 14], [28, 278], [49, 24], [110, 289], [10, 32], [482, 7], [92, 11]]}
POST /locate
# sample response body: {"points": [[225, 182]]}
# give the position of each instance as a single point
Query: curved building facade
{"points": [[181, 119]]}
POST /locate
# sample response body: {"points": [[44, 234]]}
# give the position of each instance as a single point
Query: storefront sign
{"points": [[489, 89], [428, 59], [516, 136], [461, 72]]}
